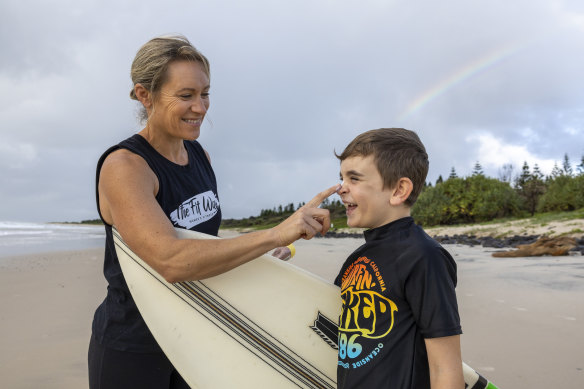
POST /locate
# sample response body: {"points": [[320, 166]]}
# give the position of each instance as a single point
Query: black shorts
{"points": [[113, 369]]}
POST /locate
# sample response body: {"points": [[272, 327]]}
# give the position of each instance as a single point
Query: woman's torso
{"points": [[188, 196]]}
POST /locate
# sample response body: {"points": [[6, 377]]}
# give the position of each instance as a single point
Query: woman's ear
{"points": [[143, 95], [402, 191]]}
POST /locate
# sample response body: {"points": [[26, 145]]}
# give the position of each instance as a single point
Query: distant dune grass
{"points": [[497, 227]]}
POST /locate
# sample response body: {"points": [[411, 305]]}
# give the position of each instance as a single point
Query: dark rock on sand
{"points": [[554, 246], [487, 241], [341, 234], [530, 245]]}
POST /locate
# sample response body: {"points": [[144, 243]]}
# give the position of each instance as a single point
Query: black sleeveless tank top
{"points": [[188, 196]]}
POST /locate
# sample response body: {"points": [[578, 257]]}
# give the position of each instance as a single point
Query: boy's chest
{"points": [[370, 291], [373, 311]]}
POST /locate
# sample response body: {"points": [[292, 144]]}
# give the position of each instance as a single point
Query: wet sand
{"points": [[522, 317]]}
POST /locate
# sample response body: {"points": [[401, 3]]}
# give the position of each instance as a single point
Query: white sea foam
{"points": [[6, 225], [19, 237]]}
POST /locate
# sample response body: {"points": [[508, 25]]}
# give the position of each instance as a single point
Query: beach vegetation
{"points": [[530, 187], [477, 198], [96, 222], [466, 200], [503, 234], [563, 193], [271, 217]]}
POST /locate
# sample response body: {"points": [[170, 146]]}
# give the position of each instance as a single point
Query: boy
{"points": [[399, 326]]}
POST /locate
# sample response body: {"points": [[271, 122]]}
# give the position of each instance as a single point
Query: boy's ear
{"points": [[402, 191]]}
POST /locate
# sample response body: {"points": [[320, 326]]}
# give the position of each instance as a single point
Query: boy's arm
{"points": [[445, 361]]}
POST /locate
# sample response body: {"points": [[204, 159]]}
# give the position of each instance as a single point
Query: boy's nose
{"points": [[343, 188]]}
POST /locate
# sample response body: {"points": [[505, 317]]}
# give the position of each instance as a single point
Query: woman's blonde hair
{"points": [[150, 66]]}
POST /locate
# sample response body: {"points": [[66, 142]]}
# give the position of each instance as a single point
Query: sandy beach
{"points": [[522, 317]]}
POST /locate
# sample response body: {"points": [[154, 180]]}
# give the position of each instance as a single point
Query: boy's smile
{"points": [[362, 192]]}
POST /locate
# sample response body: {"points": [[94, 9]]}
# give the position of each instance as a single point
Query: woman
{"points": [[151, 182]]}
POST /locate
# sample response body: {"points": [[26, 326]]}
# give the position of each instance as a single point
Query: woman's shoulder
{"points": [[124, 153], [123, 162], [122, 156]]}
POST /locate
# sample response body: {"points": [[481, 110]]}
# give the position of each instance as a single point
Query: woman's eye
{"points": [[205, 95], [185, 96]]}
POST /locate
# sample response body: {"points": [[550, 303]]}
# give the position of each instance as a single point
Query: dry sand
{"points": [[46, 307], [574, 227], [522, 317]]}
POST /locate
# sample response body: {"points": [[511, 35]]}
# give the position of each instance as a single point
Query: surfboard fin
{"points": [[327, 330]]}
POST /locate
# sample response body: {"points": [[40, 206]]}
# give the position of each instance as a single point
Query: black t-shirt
{"points": [[397, 289], [188, 196]]}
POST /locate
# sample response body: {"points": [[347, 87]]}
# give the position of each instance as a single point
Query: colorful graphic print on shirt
{"points": [[196, 210], [367, 314]]}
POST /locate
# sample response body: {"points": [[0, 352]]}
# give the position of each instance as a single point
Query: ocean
{"points": [[18, 238]]}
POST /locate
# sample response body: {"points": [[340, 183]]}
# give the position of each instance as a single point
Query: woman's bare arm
{"points": [[127, 190]]}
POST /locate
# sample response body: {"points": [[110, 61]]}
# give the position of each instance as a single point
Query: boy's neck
{"points": [[400, 213], [397, 213]]}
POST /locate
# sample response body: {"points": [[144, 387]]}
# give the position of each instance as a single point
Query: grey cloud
{"points": [[291, 82]]}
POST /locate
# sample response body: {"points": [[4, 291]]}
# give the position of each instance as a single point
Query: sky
{"points": [[494, 82]]}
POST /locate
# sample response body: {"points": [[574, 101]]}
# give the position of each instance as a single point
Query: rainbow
{"points": [[461, 75]]}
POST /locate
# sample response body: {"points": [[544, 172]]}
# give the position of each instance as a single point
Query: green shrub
{"points": [[564, 193], [466, 200]]}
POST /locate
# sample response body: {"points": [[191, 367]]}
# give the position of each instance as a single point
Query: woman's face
{"points": [[180, 106]]}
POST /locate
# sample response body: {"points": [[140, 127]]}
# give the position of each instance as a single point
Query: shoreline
{"points": [[500, 230], [503, 235]]}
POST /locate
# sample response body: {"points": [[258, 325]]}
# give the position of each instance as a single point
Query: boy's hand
{"points": [[285, 253], [307, 221], [282, 253]]}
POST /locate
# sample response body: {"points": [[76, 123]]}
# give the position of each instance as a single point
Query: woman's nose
{"points": [[199, 106]]}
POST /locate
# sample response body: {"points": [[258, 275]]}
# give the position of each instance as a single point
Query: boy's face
{"points": [[366, 201]]}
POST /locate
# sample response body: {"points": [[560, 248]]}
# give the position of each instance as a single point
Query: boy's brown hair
{"points": [[397, 152]]}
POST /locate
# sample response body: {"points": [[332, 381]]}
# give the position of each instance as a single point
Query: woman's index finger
{"points": [[319, 198]]}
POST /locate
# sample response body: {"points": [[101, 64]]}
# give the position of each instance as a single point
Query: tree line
{"points": [[470, 199], [271, 217], [478, 198]]}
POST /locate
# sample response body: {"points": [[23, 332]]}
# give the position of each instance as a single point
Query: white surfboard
{"points": [[253, 327], [265, 324]]}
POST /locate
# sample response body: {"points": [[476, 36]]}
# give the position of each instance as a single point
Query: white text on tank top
{"points": [[196, 210]]}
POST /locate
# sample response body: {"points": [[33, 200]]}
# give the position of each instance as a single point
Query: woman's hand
{"points": [[307, 221]]}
